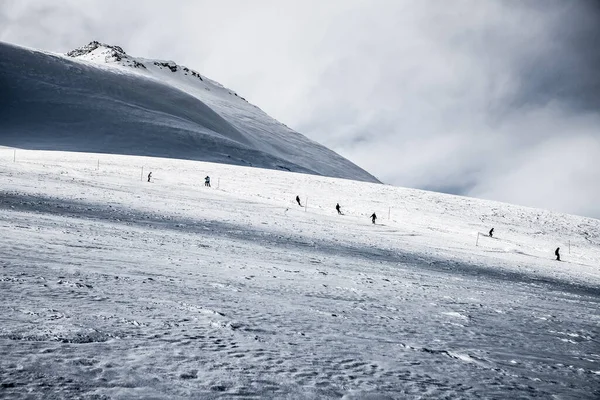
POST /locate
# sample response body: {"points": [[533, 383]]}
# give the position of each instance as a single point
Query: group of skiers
{"points": [[556, 252], [373, 216], [338, 209], [206, 180]]}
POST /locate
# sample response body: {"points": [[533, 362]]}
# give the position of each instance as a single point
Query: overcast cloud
{"points": [[493, 99]]}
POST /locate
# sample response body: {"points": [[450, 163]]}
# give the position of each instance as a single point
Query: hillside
{"points": [[99, 99], [114, 287]]}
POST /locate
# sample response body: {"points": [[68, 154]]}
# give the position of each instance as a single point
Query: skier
{"points": [[492, 232], [373, 217], [557, 254], [337, 207], [207, 181], [149, 176], [298, 200]]}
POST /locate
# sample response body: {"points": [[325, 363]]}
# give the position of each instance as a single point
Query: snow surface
{"points": [[99, 99], [113, 287]]}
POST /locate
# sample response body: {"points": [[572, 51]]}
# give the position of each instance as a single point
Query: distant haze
{"points": [[492, 99]]}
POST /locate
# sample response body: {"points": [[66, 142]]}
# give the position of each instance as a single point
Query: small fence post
{"points": [[15, 156], [477, 241], [142, 175], [389, 212], [306, 204], [98, 167]]}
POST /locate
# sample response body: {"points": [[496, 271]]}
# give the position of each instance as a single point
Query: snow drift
{"points": [[99, 99]]}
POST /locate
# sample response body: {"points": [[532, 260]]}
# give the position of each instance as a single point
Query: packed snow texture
{"points": [[114, 287], [99, 99]]}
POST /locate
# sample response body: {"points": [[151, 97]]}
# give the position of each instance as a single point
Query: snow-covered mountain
{"points": [[97, 98], [113, 287]]}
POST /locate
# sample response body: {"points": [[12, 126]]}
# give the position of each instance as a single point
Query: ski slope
{"points": [[116, 288], [100, 99]]}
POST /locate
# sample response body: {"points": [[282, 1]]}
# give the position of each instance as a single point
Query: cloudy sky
{"points": [[492, 99]]}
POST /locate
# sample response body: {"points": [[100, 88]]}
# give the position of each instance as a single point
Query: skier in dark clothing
{"points": [[298, 200], [207, 181], [337, 207], [557, 254], [373, 217], [149, 176], [492, 232]]}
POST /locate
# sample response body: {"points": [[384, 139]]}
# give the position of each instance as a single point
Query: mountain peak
{"points": [[97, 51], [95, 45], [110, 53]]}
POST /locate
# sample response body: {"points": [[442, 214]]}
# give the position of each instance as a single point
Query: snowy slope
{"points": [[99, 99], [117, 288]]}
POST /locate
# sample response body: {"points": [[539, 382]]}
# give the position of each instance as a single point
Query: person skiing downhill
{"points": [[337, 207], [373, 217], [207, 181], [149, 176], [557, 254], [298, 200], [492, 232]]}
